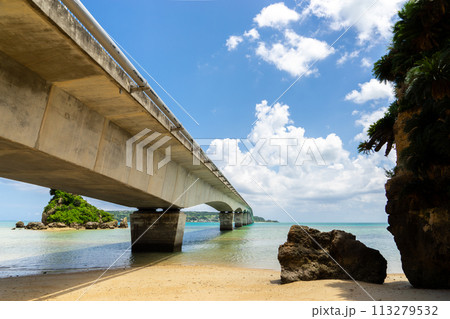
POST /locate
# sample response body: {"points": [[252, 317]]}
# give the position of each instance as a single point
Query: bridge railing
{"points": [[99, 35]]}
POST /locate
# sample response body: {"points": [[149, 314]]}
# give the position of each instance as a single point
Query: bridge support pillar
{"points": [[244, 218], [226, 220], [238, 218], [155, 231]]}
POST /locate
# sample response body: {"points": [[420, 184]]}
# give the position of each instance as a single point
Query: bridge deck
{"points": [[47, 58]]}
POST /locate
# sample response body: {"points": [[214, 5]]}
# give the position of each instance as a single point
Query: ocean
{"points": [[27, 252]]}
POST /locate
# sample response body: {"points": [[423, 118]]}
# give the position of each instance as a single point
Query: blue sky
{"points": [[227, 62]]}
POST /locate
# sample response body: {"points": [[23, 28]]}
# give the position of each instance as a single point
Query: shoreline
{"points": [[67, 228], [61, 229], [159, 282]]}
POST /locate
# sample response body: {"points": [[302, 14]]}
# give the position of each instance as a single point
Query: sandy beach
{"points": [[202, 282]]}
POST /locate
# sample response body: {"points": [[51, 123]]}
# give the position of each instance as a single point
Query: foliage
{"points": [[120, 214], [389, 173], [381, 132], [68, 208], [418, 63], [258, 219]]}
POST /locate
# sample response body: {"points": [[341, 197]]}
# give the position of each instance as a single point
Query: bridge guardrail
{"points": [[99, 35]]}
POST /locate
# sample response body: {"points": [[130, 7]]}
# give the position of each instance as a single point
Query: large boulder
{"points": [[301, 257], [124, 223], [91, 225], [36, 226], [20, 224]]}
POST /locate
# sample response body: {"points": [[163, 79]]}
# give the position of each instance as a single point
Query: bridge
{"points": [[76, 115]]}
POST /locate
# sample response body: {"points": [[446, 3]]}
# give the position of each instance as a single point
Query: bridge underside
{"points": [[67, 111], [29, 165]]}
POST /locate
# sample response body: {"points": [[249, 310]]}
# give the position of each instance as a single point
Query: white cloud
{"points": [[347, 56], [365, 120], [338, 188], [295, 53], [372, 90], [199, 208], [233, 41], [24, 187], [371, 22], [276, 16], [365, 63], [253, 34]]}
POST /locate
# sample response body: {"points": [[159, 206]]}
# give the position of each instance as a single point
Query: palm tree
{"points": [[418, 63]]}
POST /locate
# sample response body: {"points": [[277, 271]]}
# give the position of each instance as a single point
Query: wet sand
{"points": [[202, 282]]}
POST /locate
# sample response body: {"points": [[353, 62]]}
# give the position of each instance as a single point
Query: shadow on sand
{"points": [[398, 290]]}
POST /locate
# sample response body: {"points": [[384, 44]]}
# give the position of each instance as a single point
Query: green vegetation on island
{"points": [[68, 208], [258, 219]]}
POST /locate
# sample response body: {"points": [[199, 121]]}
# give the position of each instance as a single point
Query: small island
{"points": [[70, 211], [66, 210]]}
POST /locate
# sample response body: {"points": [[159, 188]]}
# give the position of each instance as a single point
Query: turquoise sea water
{"points": [[26, 252]]}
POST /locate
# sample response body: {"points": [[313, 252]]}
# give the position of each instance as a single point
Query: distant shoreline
{"points": [[191, 216], [205, 222], [282, 222]]}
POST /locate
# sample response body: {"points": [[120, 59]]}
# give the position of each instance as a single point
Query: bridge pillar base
{"points": [[150, 234], [238, 219], [226, 220]]}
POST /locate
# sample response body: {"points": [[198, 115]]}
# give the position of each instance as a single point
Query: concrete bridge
{"points": [[74, 118]]}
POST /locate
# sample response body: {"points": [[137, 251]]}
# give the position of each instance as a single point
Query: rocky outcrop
{"points": [[57, 225], [301, 258], [124, 223], [419, 216], [36, 226], [75, 225], [20, 224], [420, 224], [109, 225], [46, 214], [91, 225]]}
